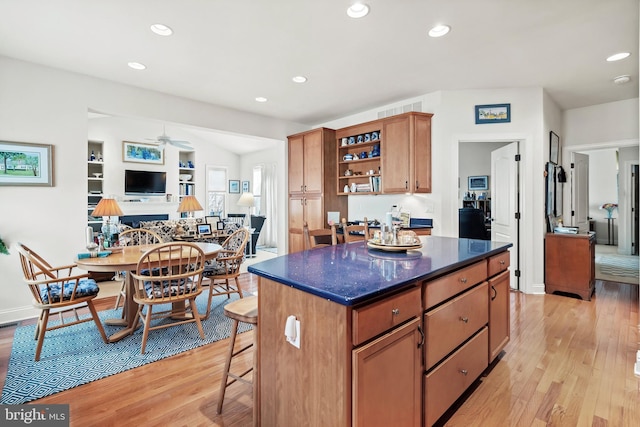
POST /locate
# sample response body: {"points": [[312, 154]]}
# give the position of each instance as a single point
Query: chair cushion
{"points": [[86, 287], [156, 289]]}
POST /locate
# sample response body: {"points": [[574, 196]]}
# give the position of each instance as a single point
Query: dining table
{"points": [[126, 259]]}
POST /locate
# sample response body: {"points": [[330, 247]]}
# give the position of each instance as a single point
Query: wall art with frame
{"points": [[24, 163], [245, 186], [493, 113], [138, 152], [234, 186], [554, 148]]}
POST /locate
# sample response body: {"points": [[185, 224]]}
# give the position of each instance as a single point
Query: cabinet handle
{"points": [[421, 336], [464, 319], [501, 262], [417, 185], [305, 188], [302, 188], [301, 202], [463, 279], [406, 185], [463, 371], [395, 311], [495, 293]]}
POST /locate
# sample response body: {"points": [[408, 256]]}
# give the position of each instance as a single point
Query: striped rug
{"points": [[622, 268]]}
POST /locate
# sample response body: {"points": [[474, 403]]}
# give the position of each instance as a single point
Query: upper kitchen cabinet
{"points": [[406, 153], [306, 174]]}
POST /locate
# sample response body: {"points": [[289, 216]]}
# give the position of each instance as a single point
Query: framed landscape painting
{"points": [[138, 152], [234, 186], [493, 113], [24, 163]]}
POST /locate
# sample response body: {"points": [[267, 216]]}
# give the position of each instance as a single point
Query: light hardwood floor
{"points": [[569, 363]]}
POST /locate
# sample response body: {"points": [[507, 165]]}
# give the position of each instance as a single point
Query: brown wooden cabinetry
{"points": [[406, 153], [404, 162], [570, 264], [312, 183]]}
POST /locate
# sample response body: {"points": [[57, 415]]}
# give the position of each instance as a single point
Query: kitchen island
{"points": [[384, 338]]}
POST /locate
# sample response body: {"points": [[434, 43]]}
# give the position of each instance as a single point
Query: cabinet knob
{"points": [[464, 319], [302, 188], [502, 262], [395, 311], [463, 371], [463, 279]]}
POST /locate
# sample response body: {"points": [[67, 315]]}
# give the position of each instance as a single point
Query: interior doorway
{"points": [[634, 209]]}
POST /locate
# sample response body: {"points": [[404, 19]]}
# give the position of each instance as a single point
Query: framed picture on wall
{"points": [[554, 148], [26, 164], [245, 186], [234, 186], [493, 113]]}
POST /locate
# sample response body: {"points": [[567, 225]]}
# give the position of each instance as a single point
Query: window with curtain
{"points": [[257, 190], [216, 191]]}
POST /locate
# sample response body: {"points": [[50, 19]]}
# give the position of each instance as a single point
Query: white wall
{"points": [[605, 126], [48, 106], [453, 122]]}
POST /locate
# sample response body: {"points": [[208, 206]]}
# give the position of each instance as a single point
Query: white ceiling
{"points": [[227, 52]]}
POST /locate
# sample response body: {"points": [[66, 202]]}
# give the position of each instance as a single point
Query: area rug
{"points": [[77, 355], [618, 268]]}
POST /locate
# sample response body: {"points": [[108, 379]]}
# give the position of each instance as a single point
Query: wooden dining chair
{"points": [[355, 232], [169, 273], [134, 237], [60, 289], [319, 237], [226, 267]]}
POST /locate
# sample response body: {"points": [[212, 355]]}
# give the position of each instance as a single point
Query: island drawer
{"points": [[450, 379], [374, 319], [499, 263], [439, 290], [449, 325]]}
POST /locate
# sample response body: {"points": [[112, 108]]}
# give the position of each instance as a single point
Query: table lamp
{"points": [[189, 204], [247, 200], [107, 208]]}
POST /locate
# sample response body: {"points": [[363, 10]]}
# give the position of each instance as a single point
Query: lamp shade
{"points": [[246, 199], [107, 207], [189, 204]]}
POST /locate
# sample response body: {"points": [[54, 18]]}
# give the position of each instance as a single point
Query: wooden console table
{"points": [[570, 263]]}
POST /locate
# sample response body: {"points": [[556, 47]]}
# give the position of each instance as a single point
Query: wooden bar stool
{"points": [[243, 310]]}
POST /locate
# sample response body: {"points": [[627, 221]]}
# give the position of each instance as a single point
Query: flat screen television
{"points": [[145, 183]]}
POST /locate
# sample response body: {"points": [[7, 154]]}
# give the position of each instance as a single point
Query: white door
{"points": [[504, 201], [580, 191]]}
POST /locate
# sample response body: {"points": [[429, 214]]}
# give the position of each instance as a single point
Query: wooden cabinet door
{"points": [[422, 155], [314, 212], [296, 165], [296, 221], [395, 155], [499, 314], [313, 162], [386, 379]]}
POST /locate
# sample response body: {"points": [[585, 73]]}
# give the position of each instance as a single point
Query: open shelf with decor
{"points": [[359, 160], [95, 180], [186, 174]]}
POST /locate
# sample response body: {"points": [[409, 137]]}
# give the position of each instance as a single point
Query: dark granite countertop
{"points": [[351, 273]]}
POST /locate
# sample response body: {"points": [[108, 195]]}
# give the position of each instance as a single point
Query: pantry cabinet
{"points": [[312, 183]]}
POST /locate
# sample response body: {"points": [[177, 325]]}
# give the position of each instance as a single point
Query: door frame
{"points": [[624, 217], [527, 282]]}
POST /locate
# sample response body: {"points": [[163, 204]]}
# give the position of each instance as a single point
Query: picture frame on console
{"points": [[26, 164], [139, 152]]}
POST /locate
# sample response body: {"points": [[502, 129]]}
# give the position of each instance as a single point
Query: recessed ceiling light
{"points": [[618, 56], [261, 99], [161, 30], [358, 10], [439, 30], [299, 79], [620, 80], [137, 66]]}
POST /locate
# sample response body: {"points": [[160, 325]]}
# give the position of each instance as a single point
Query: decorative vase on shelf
{"points": [[609, 207]]}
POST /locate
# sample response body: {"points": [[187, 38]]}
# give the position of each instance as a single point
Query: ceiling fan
{"points": [[165, 139]]}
